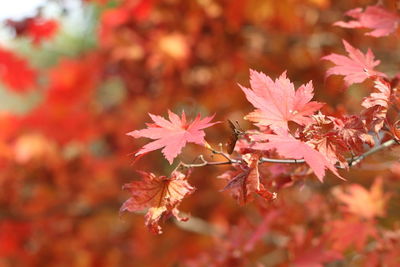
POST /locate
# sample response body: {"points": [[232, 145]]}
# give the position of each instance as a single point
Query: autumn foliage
{"points": [[201, 133]]}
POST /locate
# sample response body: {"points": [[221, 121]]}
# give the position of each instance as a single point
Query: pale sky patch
{"points": [[18, 9]]}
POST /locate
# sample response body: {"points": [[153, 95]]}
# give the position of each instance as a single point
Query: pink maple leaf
{"points": [[356, 67], [376, 18], [288, 146], [277, 102], [172, 135]]}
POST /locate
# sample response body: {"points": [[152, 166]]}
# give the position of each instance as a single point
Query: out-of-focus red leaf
{"points": [[380, 21], [64, 113], [349, 232], [10, 124], [37, 28], [261, 230], [73, 82], [13, 235], [41, 29], [15, 72], [316, 257], [140, 10], [361, 202], [310, 252], [111, 19]]}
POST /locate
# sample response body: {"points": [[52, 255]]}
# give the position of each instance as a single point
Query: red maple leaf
{"points": [[288, 146], [15, 72], [40, 29], [160, 195], [376, 105], [350, 231], [172, 135], [277, 102], [322, 134], [356, 67], [376, 18], [245, 181], [353, 132]]}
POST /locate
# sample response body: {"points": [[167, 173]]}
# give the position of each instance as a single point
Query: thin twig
{"points": [[375, 149], [289, 161], [351, 161], [206, 163], [220, 152]]}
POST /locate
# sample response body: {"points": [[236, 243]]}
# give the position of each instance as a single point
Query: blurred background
{"points": [[76, 76]]}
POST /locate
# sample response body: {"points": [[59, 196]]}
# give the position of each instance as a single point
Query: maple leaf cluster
{"points": [[294, 129], [320, 145], [293, 163]]}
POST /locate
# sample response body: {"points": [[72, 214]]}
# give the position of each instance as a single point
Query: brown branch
{"points": [[207, 163], [284, 161], [351, 161], [220, 152], [357, 160]]}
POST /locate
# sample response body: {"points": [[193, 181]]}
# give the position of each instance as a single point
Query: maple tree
{"points": [[280, 145]]}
